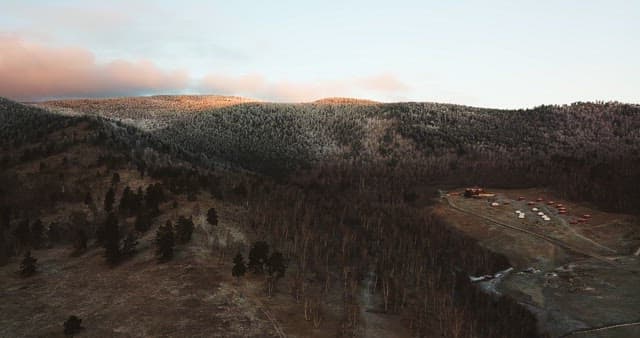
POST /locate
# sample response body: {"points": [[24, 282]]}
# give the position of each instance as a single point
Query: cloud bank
{"points": [[255, 85], [31, 71]]}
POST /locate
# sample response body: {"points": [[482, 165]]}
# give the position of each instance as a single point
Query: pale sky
{"points": [[505, 54]]}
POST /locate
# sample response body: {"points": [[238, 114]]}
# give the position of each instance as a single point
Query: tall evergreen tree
{"points": [[22, 233], [136, 200], [111, 242], [165, 242], [5, 218], [184, 229], [258, 256], [239, 267], [115, 179], [72, 326], [126, 201], [4, 251], [142, 222], [276, 265], [88, 199], [129, 245], [37, 234], [108, 200], [153, 198], [28, 265], [79, 242], [212, 216], [53, 233]]}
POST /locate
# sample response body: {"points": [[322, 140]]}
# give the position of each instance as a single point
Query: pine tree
{"points": [[165, 242], [239, 267], [22, 233], [53, 233], [184, 229], [258, 256], [37, 234], [79, 242], [153, 198], [108, 200], [5, 218], [212, 217], [72, 326], [4, 251], [28, 265], [126, 201], [141, 169], [276, 265], [139, 198], [115, 179], [129, 245], [111, 242], [88, 199], [142, 222]]}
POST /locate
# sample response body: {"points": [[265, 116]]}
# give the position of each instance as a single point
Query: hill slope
{"points": [[350, 209], [55, 174], [576, 149]]}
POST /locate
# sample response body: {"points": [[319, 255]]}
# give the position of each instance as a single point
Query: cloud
{"points": [[34, 71], [256, 86], [383, 83]]}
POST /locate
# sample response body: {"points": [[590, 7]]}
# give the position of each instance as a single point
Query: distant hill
{"points": [[344, 100], [148, 112], [569, 147]]}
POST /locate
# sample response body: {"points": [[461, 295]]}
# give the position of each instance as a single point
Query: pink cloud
{"points": [[33, 71], [257, 86], [383, 83]]}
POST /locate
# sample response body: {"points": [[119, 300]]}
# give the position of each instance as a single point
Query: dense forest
{"points": [[584, 151], [343, 190], [345, 226]]}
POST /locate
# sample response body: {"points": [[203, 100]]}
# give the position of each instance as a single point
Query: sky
{"points": [[501, 54]]}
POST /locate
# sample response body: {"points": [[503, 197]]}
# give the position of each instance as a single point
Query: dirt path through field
{"points": [[549, 239]]}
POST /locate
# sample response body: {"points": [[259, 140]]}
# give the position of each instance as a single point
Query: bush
{"points": [[72, 325]]}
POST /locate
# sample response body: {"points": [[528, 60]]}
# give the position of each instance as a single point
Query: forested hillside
{"points": [[585, 151], [341, 190]]}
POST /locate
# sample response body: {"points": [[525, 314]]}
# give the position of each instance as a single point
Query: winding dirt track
{"points": [[549, 239]]}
